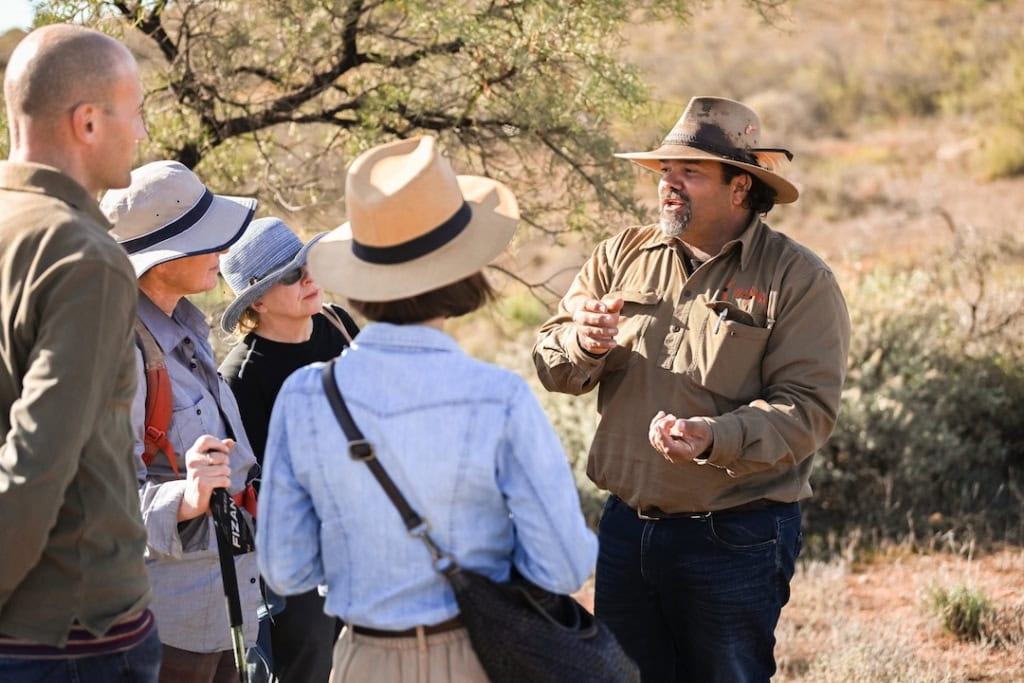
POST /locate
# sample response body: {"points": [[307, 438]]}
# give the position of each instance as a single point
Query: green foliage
{"points": [[930, 437], [274, 97], [963, 610], [523, 310]]}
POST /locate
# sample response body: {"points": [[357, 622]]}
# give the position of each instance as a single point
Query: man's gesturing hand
{"points": [[597, 323]]}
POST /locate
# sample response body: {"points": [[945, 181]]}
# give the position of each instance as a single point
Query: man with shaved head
{"points": [[74, 592]]}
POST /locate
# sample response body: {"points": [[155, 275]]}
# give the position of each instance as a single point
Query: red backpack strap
{"points": [[247, 499], [159, 399]]}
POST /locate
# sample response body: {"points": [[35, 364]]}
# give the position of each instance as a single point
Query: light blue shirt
{"points": [[468, 445], [184, 569]]}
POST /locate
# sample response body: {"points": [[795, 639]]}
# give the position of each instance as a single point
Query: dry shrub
{"points": [[1004, 626], [929, 439], [821, 639]]}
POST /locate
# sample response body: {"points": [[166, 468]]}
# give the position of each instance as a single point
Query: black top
{"points": [[255, 369]]}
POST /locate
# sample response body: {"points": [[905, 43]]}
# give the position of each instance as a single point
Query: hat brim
{"points": [[221, 226], [495, 213], [248, 296], [785, 191]]}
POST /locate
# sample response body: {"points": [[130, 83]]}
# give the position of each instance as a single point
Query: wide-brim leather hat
{"points": [[723, 130], [256, 262], [167, 213], [413, 225]]}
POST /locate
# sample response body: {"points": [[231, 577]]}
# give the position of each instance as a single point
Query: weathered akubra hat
{"points": [[167, 213], [265, 253], [723, 130], [414, 225]]}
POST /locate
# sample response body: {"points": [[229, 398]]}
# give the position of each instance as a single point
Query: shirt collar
{"points": [[186, 321], [18, 176], [657, 239], [406, 336], [747, 241]]}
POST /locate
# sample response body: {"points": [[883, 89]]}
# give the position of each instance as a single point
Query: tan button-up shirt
{"points": [[756, 340], [71, 534]]}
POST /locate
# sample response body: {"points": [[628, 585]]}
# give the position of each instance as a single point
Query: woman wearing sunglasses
{"points": [[282, 324]]}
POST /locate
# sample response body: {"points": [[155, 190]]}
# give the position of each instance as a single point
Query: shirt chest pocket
{"points": [[635, 318], [189, 421], [728, 351]]}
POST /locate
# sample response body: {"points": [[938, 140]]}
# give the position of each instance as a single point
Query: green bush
{"points": [[930, 438], [963, 611]]}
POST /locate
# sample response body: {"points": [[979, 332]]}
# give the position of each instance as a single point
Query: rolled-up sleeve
{"points": [[160, 501]]}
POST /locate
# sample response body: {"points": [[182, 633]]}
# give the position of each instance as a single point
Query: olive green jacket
{"points": [[71, 534]]}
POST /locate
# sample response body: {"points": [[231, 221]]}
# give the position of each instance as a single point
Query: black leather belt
{"points": [[445, 626], [653, 512]]}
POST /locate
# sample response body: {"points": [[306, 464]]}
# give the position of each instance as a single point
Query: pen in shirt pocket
{"points": [[721, 318]]}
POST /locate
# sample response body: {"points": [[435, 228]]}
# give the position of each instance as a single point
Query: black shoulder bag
{"points": [[519, 631]]}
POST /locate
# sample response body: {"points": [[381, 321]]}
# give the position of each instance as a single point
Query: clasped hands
{"points": [[680, 440]]}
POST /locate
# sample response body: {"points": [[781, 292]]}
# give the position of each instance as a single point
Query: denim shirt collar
{"points": [[186, 321], [418, 337]]}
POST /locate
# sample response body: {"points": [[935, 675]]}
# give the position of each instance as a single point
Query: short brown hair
{"points": [[450, 301]]}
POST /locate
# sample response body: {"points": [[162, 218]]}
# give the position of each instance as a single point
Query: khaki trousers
{"points": [[441, 658]]}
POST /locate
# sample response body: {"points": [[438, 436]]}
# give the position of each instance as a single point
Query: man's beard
{"points": [[674, 223]]}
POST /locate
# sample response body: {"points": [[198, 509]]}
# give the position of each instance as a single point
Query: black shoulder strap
{"points": [[360, 449]]}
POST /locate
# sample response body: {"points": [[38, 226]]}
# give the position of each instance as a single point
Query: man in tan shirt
{"points": [[719, 348], [73, 585]]}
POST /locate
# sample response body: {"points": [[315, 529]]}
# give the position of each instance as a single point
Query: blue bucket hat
{"points": [[256, 262]]}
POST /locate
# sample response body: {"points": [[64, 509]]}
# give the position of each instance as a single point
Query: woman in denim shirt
{"points": [[280, 323], [466, 442]]}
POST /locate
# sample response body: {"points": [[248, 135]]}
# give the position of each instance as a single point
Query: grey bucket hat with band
{"points": [[255, 263], [414, 225], [723, 130], [167, 213]]}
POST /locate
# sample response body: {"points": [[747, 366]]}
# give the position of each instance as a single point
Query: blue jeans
{"points": [[697, 598], [141, 664]]}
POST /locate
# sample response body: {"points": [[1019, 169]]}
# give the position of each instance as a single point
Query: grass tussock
{"points": [[962, 610]]}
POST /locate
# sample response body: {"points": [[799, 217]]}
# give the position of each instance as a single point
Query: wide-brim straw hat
{"points": [[256, 262], [723, 130], [167, 213], [414, 225]]}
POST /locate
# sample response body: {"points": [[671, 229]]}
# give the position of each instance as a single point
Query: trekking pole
{"points": [[226, 527]]}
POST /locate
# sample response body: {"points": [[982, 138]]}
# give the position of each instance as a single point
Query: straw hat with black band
{"points": [[167, 213], [723, 130], [414, 226]]}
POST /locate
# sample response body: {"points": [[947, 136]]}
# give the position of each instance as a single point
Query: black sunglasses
{"points": [[291, 277]]}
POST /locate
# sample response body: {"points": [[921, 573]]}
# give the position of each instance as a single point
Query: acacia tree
{"points": [[276, 96]]}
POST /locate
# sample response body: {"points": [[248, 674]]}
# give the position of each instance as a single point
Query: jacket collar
{"points": [[20, 176]]}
